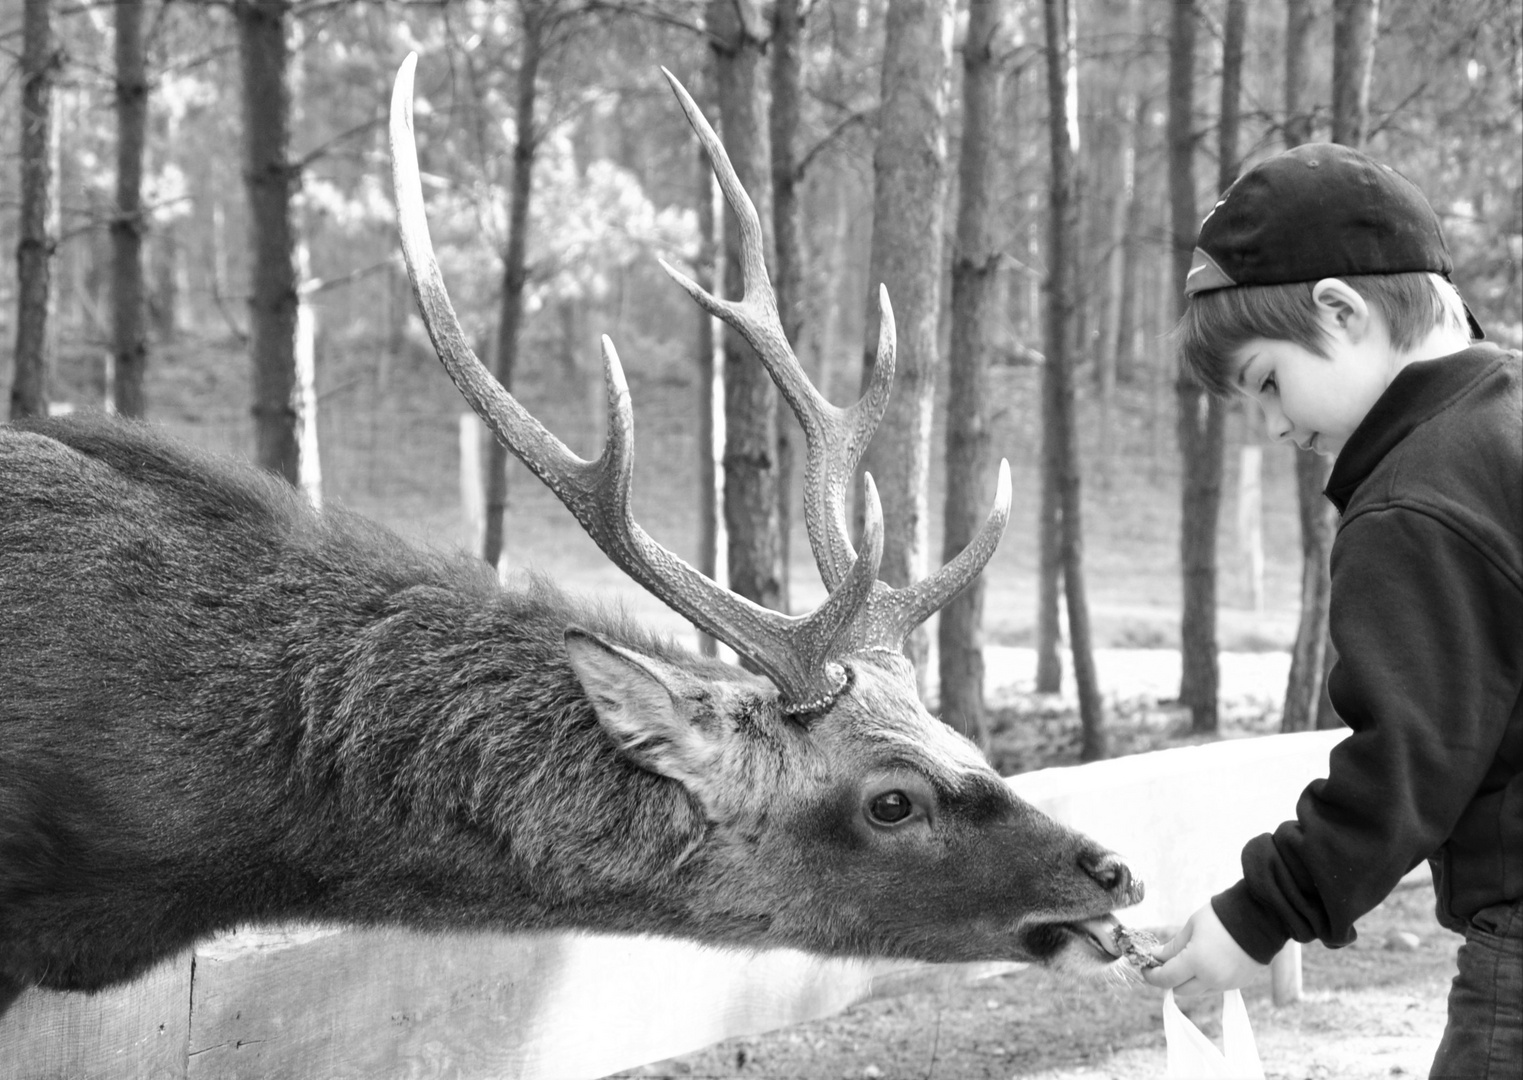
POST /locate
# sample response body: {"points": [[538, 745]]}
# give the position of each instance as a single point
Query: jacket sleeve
{"points": [[1426, 628]]}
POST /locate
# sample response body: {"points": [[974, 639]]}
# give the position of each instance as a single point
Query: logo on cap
{"points": [[1205, 274]]}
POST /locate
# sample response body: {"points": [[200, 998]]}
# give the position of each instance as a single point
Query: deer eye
{"points": [[890, 808]]}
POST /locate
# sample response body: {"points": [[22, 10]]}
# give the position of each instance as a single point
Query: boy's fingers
{"points": [[1172, 948], [1171, 975], [1172, 971]]}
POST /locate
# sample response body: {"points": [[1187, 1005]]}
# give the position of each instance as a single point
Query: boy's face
{"points": [[1316, 401]]}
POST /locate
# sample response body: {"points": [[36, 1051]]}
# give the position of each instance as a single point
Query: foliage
{"points": [[1447, 103]]}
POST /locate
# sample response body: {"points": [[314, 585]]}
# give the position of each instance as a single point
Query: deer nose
{"points": [[1111, 873]]}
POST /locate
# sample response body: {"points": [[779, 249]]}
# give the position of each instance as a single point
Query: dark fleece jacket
{"points": [[1427, 619]]}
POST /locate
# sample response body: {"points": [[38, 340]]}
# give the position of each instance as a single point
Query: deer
{"points": [[220, 706]]}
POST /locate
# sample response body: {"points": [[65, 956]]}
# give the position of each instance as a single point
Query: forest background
{"points": [[1023, 176]]}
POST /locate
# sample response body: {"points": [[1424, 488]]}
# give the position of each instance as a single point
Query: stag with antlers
{"points": [[219, 706]]}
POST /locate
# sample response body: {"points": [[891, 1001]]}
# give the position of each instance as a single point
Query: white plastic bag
{"points": [[1192, 1056]]}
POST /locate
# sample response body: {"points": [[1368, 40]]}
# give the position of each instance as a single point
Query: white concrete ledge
{"points": [[1182, 816]]}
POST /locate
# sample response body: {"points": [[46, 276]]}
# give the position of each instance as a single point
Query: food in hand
{"points": [[1138, 946]]}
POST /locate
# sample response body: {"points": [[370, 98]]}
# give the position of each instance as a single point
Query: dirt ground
{"points": [[1369, 1010]]}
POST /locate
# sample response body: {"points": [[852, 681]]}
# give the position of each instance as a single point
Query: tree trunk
{"points": [[909, 198], [1105, 196], [750, 456], [840, 272], [130, 344], [788, 269], [1050, 550], [270, 180], [706, 347], [1200, 416], [1229, 163], [1049, 662], [1132, 240], [1354, 26], [1229, 157], [975, 270], [1308, 657], [165, 270], [1299, 21], [1062, 281], [510, 304], [40, 61], [1202, 435], [1354, 37]]}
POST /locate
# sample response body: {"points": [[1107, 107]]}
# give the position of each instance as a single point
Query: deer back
{"points": [[220, 705]]}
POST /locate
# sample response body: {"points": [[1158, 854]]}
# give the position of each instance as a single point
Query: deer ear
{"points": [[639, 701]]}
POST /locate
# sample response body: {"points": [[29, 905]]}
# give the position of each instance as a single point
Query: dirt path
{"points": [[1369, 1012]]}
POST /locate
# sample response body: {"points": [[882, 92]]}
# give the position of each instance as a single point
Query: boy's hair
{"points": [[1216, 324], [1317, 211]]}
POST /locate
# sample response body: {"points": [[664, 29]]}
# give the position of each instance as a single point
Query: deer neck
{"points": [[450, 740]]}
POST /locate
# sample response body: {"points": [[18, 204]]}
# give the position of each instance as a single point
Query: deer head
{"points": [[829, 810]]}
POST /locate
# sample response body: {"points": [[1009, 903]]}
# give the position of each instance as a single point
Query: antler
{"points": [[798, 653], [834, 438], [795, 652]]}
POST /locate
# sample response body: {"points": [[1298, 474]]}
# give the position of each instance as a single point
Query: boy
{"points": [[1320, 290]]}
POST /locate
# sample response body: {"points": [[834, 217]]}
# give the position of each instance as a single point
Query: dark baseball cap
{"points": [[1319, 210]]}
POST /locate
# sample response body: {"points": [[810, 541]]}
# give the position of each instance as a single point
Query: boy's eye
{"points": [[1268, 385]]}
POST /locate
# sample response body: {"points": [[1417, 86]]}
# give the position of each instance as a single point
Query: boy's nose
{"points": [[1276, 424]]}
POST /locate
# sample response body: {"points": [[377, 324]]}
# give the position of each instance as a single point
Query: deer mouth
{"points": [[1094, 937], [1099, 935]]}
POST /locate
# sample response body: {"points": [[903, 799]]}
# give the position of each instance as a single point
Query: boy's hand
{"points": [[1202, 958]]}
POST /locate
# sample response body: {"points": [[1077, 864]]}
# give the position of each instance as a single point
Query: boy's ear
{"points": [[1340, 308]]}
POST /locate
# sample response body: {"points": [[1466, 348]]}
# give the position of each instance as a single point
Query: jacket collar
{"points": [[1419, 392]]}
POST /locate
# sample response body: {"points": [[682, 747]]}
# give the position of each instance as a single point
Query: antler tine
{"points": [[793, 651], [895, 612], [835, 438], [485, 395], [831, 458]]}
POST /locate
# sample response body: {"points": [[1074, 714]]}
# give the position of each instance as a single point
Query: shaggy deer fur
{"points": [[219, 706]]}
